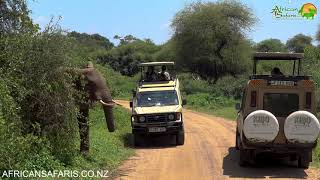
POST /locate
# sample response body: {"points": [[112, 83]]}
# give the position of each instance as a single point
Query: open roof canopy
{"points": [[277, 56], [156, 64]]}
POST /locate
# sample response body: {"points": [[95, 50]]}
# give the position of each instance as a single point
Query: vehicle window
{"points": [[280, 104], [157, 98]]}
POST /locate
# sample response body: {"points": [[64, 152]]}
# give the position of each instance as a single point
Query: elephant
{"points": [[92, 87]]}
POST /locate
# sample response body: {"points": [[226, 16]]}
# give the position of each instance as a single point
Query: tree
{"points": [[94, 40], [270, 45], [14, 17], [298, 43], [209, 38], [130, 52]]}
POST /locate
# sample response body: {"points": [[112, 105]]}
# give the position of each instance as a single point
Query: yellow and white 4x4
{"points": [[277, 113], [157, 104]]}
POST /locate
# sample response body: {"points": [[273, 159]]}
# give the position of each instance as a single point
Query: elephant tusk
{"points": [[106, 104]]}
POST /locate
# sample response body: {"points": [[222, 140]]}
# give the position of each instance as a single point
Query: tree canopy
{"points": [[210, 38], [298, 43], [270, 45], [130, 52]]}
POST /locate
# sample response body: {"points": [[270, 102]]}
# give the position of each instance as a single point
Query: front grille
{"points": [[157, 118]]}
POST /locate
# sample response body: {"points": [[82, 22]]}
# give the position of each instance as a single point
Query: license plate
{"points": [[282, 83], [157, 129]]}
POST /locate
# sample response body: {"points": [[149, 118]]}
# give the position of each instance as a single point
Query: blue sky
{"points": [[151, 19]]}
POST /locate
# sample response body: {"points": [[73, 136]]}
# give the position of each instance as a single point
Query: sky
{"points": [[152, 19]]}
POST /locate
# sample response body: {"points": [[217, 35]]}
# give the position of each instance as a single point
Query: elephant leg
{"points": [[108, 113], [84, 129]]}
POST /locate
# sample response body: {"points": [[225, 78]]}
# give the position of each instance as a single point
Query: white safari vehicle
{"points": [[277, 113], [157, 104]]}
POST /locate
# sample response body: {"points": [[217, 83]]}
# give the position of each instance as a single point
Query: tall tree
{"points": [[14, 17], [209, 38], [270, 45], [298, 43], [93, 40]]}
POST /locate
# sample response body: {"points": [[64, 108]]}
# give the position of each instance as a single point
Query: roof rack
{"points": [[276, 56]]}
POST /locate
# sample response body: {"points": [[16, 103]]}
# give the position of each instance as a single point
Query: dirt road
{"points": [[208, 153]]}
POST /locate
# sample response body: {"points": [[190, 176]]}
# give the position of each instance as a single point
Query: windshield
{"points": [[280, 104], [157, 98]]}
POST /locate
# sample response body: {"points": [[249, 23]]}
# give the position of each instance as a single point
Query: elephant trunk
{"points": [[107, 105]]}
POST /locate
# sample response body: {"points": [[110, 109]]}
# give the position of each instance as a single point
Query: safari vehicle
{"points": [[157, 105], [277, 113]]}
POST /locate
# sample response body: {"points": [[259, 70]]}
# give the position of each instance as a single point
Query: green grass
{"points": [[228, 113], [212, 104], [107, 150], [316, 156]]}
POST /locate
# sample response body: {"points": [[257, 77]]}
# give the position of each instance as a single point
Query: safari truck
{"points": [[156, 103], [276, 114]]}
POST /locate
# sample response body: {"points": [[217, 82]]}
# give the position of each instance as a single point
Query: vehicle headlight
{"points": [[171, 117], [142, 119]]}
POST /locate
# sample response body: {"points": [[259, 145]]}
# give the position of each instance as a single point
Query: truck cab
{"points": [[156, 103], [276, 114]]}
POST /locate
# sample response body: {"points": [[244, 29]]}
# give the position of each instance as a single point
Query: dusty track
{"points": [[208, 153]]}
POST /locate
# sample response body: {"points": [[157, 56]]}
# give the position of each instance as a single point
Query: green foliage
{"points": [[120, 86], [108, 150], [298, 43], [208, 100], [209, 38], [15, 17], [93, 41], [270, 45], [126, 57], [227, 86], [166, 52], [212, 104]]}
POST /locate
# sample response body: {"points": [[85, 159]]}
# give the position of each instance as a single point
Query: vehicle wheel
{"points": [[304, 160], [243, 157], [137, 139], [180, 138], [238, 140]]}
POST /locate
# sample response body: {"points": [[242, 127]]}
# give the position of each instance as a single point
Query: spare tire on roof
{"points": [[301, 127], [261, 126]]}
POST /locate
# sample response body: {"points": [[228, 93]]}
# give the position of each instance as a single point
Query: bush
{"points": [[40, 96], [209, 101]]}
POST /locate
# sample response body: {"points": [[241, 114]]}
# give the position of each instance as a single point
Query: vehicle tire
{"points": [[260, 126], [137, 139], [308, 127], [237, 140], [304, 160], [243, 157], [180, 137]]}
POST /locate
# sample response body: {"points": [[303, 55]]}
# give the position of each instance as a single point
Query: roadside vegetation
{"points": [[38, 122]]}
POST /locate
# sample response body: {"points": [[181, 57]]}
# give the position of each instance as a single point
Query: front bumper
{"points": [[171, 127]]}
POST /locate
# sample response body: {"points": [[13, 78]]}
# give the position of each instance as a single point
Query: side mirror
{"points": [[184, 102], [131, 104], [238, 106]]}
